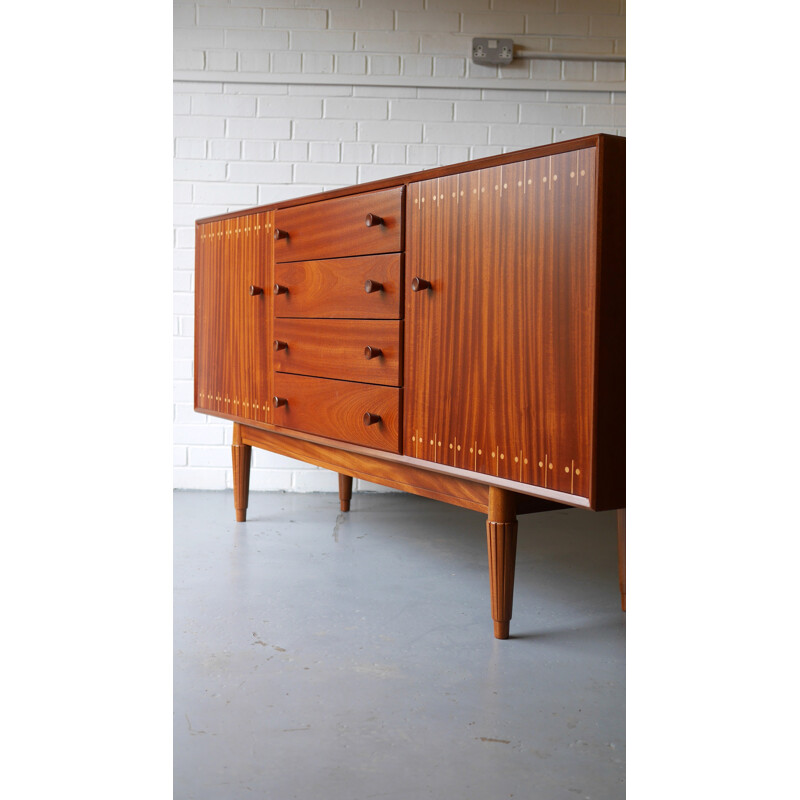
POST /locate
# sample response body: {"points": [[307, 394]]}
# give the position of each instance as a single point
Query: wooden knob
{"points": [[374, 219], [420, 284], [254, 290], [278, 289], [279, 345], [373, 286], [371, 419], [279, 234], [279, 401], [372, 352]]}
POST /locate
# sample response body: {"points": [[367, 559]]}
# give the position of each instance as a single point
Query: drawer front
{"points": [[337, 348], [338, 227], [336, 409], [338, 287]]}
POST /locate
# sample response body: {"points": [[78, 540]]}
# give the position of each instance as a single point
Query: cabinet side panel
{"points": [[499, 350], [611, 445]]}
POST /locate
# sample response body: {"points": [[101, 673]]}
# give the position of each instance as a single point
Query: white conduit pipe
{"points": [[531, 54]]}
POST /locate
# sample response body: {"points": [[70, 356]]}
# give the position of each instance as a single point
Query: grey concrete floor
{"points": [[326, 655]]}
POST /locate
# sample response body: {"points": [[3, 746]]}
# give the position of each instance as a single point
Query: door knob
{"points": [[371, 419], [374, 219], [373, 286], [254, 290], [279, 234], [278, 289], [279, 345], [279, 401], [372, 352], [420, 284]]}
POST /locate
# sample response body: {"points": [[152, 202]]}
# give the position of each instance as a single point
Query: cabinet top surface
{"points": [[436, 172]]}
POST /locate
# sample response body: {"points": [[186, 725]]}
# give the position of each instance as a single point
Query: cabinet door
{"points": [[499, 350], [231, 367]]}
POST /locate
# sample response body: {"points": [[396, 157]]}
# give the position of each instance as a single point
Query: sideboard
{"points": [[457, 333]]}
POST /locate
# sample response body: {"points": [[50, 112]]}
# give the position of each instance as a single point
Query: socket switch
{"points": [[492, 51]]}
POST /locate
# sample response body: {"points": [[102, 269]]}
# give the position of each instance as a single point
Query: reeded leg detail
{"points": [[621, 552], [501, 540], [240, 454], [345, 491]]}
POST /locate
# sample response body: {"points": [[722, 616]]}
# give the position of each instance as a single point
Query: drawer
{"points": [[336, 348], [356, 225], [337, 409], [337, 287]]}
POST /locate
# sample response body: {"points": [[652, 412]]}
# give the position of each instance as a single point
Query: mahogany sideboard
{"points": [[457, 333]]}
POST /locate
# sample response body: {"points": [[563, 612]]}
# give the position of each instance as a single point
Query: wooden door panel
{"points": [[499, 349], [232, 367]]}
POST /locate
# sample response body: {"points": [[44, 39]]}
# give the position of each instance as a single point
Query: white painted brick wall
{"points": [[257, 134]]}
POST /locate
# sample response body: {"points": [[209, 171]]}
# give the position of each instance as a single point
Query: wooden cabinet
{"points": [[458, 333]]}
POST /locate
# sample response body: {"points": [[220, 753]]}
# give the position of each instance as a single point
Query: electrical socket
{"points": [[492, 51]]}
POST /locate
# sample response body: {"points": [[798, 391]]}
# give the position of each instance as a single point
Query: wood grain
{"points": [[334, 348], [336, 409], [338, 227], [501, 542], [232, 361], [499, 370], [544, 407], [374, 468], [345, 491], [436, 172], [240, 457], [335, 288]]}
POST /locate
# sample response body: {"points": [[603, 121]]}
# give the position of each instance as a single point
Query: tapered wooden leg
{"points": [[240, 454], [501, 540], [345, 491], [621, 552]]}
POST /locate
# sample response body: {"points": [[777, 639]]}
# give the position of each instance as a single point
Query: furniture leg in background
{"points": [[240, 454], [345, 491], [621, 552]]}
